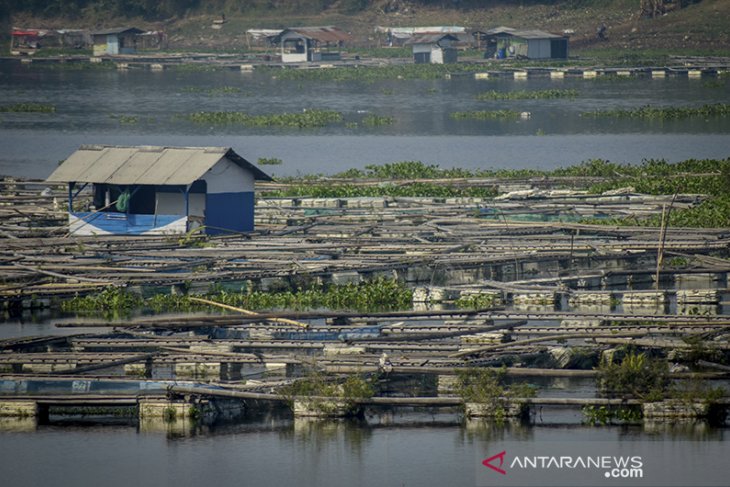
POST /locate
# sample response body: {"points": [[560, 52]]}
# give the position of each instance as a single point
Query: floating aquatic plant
{"points": [[375, 294], [269, 161], [526, 95], [28, 108], [485, 115], [664, 113], [308, 118], [371, 120]]}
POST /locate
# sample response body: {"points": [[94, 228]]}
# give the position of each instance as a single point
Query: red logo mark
{"points": [[488, 462]]}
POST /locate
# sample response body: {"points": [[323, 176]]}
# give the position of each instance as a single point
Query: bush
{"points": [[637, 376]]}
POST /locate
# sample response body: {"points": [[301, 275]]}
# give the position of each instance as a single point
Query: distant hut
{"points": [[25, 42], [506, 42], [434, 48], [160, 190], [398, 36], [262, 37], [115, 41], [306, 44]]}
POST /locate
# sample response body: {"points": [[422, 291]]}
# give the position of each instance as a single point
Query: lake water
{"points": [[89, 104], [385, 449]]}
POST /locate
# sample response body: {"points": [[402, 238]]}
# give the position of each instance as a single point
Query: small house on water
{"points": [[115, 41], [306, 44], [506, 42], [433, 48], [160, 190]]}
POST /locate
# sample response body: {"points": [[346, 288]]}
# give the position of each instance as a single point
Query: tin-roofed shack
{"points": [[262, 37], [398, 36], [26, 42], [506, 42], [122, 40], [433, 48], [160, 190], [306, 44]]}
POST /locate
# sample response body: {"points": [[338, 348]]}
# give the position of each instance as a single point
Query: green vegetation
{"points": [[169, 415], [306, 119], [28, 108], [637, 375], [73, 66], [376, 294], [126, 119], [665, 113], [111, 302], [526, 95], [371, 120], [487, 386], [405, 170], [269, 161], [222, 90], [321, 392], [486, 115], [620, 56], [117, 411], [329, 190], [477, 301], [611, 414], [709, 177], [196, 67]]}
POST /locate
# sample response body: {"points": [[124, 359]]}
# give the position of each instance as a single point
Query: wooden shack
{"points": [[506, 42], [26, 42], [434, 48], [160, 190], [307, 44], [116, 41]]}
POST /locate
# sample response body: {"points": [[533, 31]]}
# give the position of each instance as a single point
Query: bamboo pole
{"points": [[662, 238], [249, 313]]}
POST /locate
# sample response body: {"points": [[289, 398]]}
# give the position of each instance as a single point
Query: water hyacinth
{"points": [[526, 95], [486, 115], [28, 108], [269, 161], [376, 294], [305, 119], [418, 189], [665, 113], [371, 120]]}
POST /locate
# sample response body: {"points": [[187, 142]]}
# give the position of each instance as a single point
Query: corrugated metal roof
{"points": [[145, 164], [432, 38], [321, 34], [444, 29], [535, 34], [525, 34], [500, 30], [117, 30]]}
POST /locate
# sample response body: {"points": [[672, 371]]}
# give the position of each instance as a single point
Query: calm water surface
{"points": [[90, 103], [413, 450]]}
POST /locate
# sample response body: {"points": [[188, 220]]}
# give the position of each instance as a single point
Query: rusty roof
{"points": [[321, 34], [146, 165]]}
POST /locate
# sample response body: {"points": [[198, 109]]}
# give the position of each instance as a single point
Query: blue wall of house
{"points": [[129, 224], [229, 212]]}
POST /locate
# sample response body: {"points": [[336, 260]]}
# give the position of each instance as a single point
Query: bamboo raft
{"points": [[558, 286]]}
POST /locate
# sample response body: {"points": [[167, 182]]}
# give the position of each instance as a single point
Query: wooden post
{"points": [[662, 238]]}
